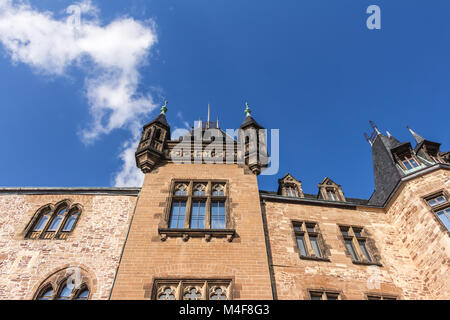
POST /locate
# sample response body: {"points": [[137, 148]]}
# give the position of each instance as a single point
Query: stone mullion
{"points": [[208, 206], [179, 291], [205, 291], [187, 218], [309, 249]]}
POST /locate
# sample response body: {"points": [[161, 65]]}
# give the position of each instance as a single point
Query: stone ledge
{"points": [[197, 233]]}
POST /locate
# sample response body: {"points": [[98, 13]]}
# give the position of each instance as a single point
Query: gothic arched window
{"points": [[70, 222], [199, 190], [218, 190], [67, 284], [54, 221], [180, 189]]}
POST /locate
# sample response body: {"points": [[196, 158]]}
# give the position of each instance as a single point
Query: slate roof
{"points": [[250, 121]]}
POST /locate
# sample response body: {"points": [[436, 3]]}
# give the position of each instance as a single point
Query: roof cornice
{"points": [[70, 190]]}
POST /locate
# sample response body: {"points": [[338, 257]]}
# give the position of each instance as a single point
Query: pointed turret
{"points": [[385, 169], [252, 138], [416, 136], [155, 135], [427, 149]]}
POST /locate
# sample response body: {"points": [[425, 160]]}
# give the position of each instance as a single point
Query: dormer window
{"points": [[409, 162], [435, 158], [330, 191], [288, 186]]}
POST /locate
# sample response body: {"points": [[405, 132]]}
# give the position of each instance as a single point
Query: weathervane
{"points": [[164, 107], [247, 110]]}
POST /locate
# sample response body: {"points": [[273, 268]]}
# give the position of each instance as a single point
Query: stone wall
{"points": [[146, 257], [425, 238], [295, 276], [95, 244]]}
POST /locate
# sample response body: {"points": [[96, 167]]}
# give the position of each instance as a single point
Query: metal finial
{"points": [[164, 107], [247, 110]]}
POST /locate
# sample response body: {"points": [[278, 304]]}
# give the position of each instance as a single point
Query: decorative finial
{"points": [[416, 136], [164, 107], [247, 110], [209, 111]]}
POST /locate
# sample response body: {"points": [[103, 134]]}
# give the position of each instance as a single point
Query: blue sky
{"points": [[310, 68]]}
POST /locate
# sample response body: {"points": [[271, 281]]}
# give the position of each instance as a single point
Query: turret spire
{"points": [[417, 137]]}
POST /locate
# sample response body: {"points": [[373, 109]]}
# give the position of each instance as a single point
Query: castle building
{"points": [[199, 228]]}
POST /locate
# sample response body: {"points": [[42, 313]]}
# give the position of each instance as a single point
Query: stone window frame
{"points": [[380, 296], [435, 209], [59, 279], [186, 233], [181, 286], [369, 244], [407, 154], [324, 293], [53, 210], [305, 233]]}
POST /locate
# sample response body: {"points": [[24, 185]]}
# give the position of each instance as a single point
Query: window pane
{"points": [[362, 245], [315, 246], [65, 293], [435, 201], [41, 223], [407, 165], [310, 227], [414, 163], [351, 249], [199, 190], [181, 190], [344, 231], [357, 232], [83, 295], [57, 220], [177, 215], [316, 296], [332, 296], [47, 295], [70, 222], [297, 227], [332, 195], [301, 245], [218, 191], [373, 298], [198, 215], [445, 217], [218, 215], [290, 192]]}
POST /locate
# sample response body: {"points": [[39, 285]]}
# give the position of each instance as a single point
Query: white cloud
{"points": [[129, 175], [110, 55]]}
